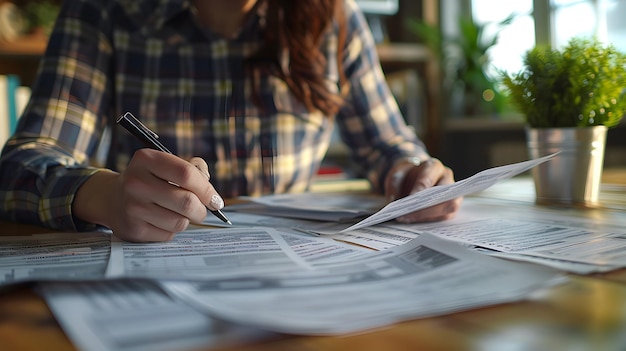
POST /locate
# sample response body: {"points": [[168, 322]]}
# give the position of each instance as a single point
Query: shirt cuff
{"points": [[55, 208]]}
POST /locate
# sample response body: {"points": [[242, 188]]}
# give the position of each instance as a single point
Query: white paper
{"points": [[56, 256], [560, 264], [426, 277], [125, 315], [439, 194], [378, 237], [314, 206], [246, 220], [322, 250], [558, 241], [192, 254], [574, 240], [207, 253]]}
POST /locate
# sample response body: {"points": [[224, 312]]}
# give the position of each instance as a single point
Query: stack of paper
{"points": [[291, 282], [314, 206], [275, 277], [426, 277]]}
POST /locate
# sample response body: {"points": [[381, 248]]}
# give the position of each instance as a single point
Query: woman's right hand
{"points": [[157, 196]]}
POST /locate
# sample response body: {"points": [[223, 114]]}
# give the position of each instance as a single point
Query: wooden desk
{"points": [[587, 313]]}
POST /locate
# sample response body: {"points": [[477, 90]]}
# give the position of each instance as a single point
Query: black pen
{"points": [[150, 139]]}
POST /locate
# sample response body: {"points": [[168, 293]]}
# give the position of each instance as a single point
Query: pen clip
{"points": [[138, 129], [137, 123]]}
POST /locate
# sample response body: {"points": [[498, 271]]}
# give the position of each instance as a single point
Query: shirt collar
{"points": [[165, 11]]}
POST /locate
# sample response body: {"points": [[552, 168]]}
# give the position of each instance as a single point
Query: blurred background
{"points": [[443, 60]]}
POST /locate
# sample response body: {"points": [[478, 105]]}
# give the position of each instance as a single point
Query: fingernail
{"points": [[397, 179], [217, 202], [403, 219]]}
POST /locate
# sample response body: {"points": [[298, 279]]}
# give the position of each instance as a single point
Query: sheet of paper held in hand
{"points": [[439, 194], [338, 208]]}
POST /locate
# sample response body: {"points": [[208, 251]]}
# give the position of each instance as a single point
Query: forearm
{"points": [[372, 124]]}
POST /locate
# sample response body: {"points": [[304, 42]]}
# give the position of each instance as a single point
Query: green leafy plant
{"points": [[465, 59], [582, 85], [40, 15]]}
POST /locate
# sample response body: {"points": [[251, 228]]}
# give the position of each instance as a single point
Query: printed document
{"points": [[553, 234], [439, 194], [339, 212], [205, 253], [57, 256], [192, 254], [426, 277], [136, 315], [330, 207]]}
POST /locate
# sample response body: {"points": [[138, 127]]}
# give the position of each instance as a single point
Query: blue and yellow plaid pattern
{"points": [[186, 83]]}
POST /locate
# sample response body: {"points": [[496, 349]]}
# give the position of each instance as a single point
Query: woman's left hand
{"points": [[408, 177]]}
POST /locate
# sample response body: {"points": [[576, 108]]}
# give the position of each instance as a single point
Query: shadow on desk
{"points": [[521, 188], [614, 176]]}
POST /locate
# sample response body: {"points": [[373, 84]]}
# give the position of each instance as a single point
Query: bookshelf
{"points": [[28, 46], [21, 57]]}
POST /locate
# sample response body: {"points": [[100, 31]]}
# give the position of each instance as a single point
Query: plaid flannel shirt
{"points": [[150, 57]]}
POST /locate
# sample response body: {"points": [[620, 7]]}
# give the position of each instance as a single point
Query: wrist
{"points": [[410, 161], [397, 174], [92, 200]]}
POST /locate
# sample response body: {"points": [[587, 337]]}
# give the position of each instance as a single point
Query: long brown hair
{"points": [[293, 34]]}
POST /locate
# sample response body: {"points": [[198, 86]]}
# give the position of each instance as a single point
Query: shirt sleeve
{"points": [[47, 159], [371, 123]]}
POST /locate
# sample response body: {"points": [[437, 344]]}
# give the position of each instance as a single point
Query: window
{"points": [[603, 18], [515, 39], [566, 19]]}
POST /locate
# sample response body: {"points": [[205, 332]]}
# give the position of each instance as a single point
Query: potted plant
{"points": [[40, 16], [569, 98], [465, 59]]}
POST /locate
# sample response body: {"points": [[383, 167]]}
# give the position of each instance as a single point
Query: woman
{"points": [[253, 87]]}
